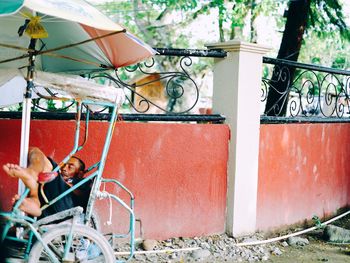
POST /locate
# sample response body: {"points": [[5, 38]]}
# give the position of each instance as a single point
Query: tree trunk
{"points": [[221, 22], [253, 16], [141, 25], [277, 98]]}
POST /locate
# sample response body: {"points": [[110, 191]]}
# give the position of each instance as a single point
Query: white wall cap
{"points": [[236, 44]]}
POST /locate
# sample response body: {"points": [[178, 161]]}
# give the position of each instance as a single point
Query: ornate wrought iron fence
{"points": [[311, 91], [171, 74], [181, 90]]}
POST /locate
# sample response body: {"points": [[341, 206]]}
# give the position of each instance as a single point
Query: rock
{"points": [[151, 258], [249, 239], [323, 259], [139, 258], [336, 234], [258, 249], [229, 240], [168, 244], [216, 254], [149, 244], [173, 256], [138, 241], [179, 242], [276, 251], [193, 243], [261, 250], [265, 258], [249, 254], [200, 254], [297, 241], [284, 244], [204, 245]]}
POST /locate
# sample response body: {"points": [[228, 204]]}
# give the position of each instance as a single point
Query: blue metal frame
{"points": [[16, 216]]}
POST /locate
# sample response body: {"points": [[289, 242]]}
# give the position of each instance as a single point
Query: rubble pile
{"points": [[216, 248]]}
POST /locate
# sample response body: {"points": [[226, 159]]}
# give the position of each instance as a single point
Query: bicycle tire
{"points": [[95, 222], [80, 232]]}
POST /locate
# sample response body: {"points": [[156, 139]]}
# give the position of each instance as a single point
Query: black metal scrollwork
{"points": [[311, 92], [180, 91], [175, 83]]}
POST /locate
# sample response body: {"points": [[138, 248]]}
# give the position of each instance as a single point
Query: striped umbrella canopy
{"points": [[73, 37], [67, 36]]}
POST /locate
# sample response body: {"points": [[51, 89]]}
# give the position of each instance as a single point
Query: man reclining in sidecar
{"points": [[44, 185]]}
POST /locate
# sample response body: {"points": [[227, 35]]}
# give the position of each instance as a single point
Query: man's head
{"points": [[74, 168]]}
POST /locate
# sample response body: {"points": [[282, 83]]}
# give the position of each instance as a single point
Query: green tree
{"points": [[148, 17], [322, 17], [306, 22]]}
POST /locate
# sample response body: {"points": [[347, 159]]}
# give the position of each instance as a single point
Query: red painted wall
{"points": [[303, 171], [177, 172]]}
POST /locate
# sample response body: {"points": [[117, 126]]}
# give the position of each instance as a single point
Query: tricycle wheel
{"points": [[87, 245], [95, 221]]}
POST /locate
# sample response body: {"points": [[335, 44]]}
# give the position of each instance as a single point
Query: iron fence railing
{"points": [[309, 92], [304, 91], [198, 118], [163, 87], [172, 74], [212, 53]]}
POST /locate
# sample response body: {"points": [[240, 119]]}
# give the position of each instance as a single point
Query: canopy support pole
{"points": [[24, 139], [26, 111]]}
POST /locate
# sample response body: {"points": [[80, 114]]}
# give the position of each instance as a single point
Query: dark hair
{"points": [[81, 164]]}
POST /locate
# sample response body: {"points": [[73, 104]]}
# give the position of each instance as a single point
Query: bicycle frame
{"points": [[16, 217]]}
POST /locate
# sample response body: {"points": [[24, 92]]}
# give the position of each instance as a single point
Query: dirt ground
{"points": [[318, 250]]}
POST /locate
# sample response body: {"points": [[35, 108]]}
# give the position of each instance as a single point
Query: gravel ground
{"points": [[311, 247], [216, 248]]}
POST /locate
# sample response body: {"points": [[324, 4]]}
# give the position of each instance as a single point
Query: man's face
{"points": [[70, 169]]}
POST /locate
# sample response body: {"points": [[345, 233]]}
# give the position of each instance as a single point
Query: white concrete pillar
{"points": [[236, 94]]}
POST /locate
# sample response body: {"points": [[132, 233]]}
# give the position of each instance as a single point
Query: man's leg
{"points": [[29, 205], [37, 162]]}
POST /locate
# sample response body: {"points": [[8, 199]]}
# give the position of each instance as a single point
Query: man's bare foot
{"points": [[15, 170], [29, 205], [9, 169]]}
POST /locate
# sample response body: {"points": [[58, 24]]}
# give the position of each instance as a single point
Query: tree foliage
{"points": [[326, 17], [150, 19], [163, 24]]}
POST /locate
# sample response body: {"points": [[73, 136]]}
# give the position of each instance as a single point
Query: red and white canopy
{"points": [[68, 22]]}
